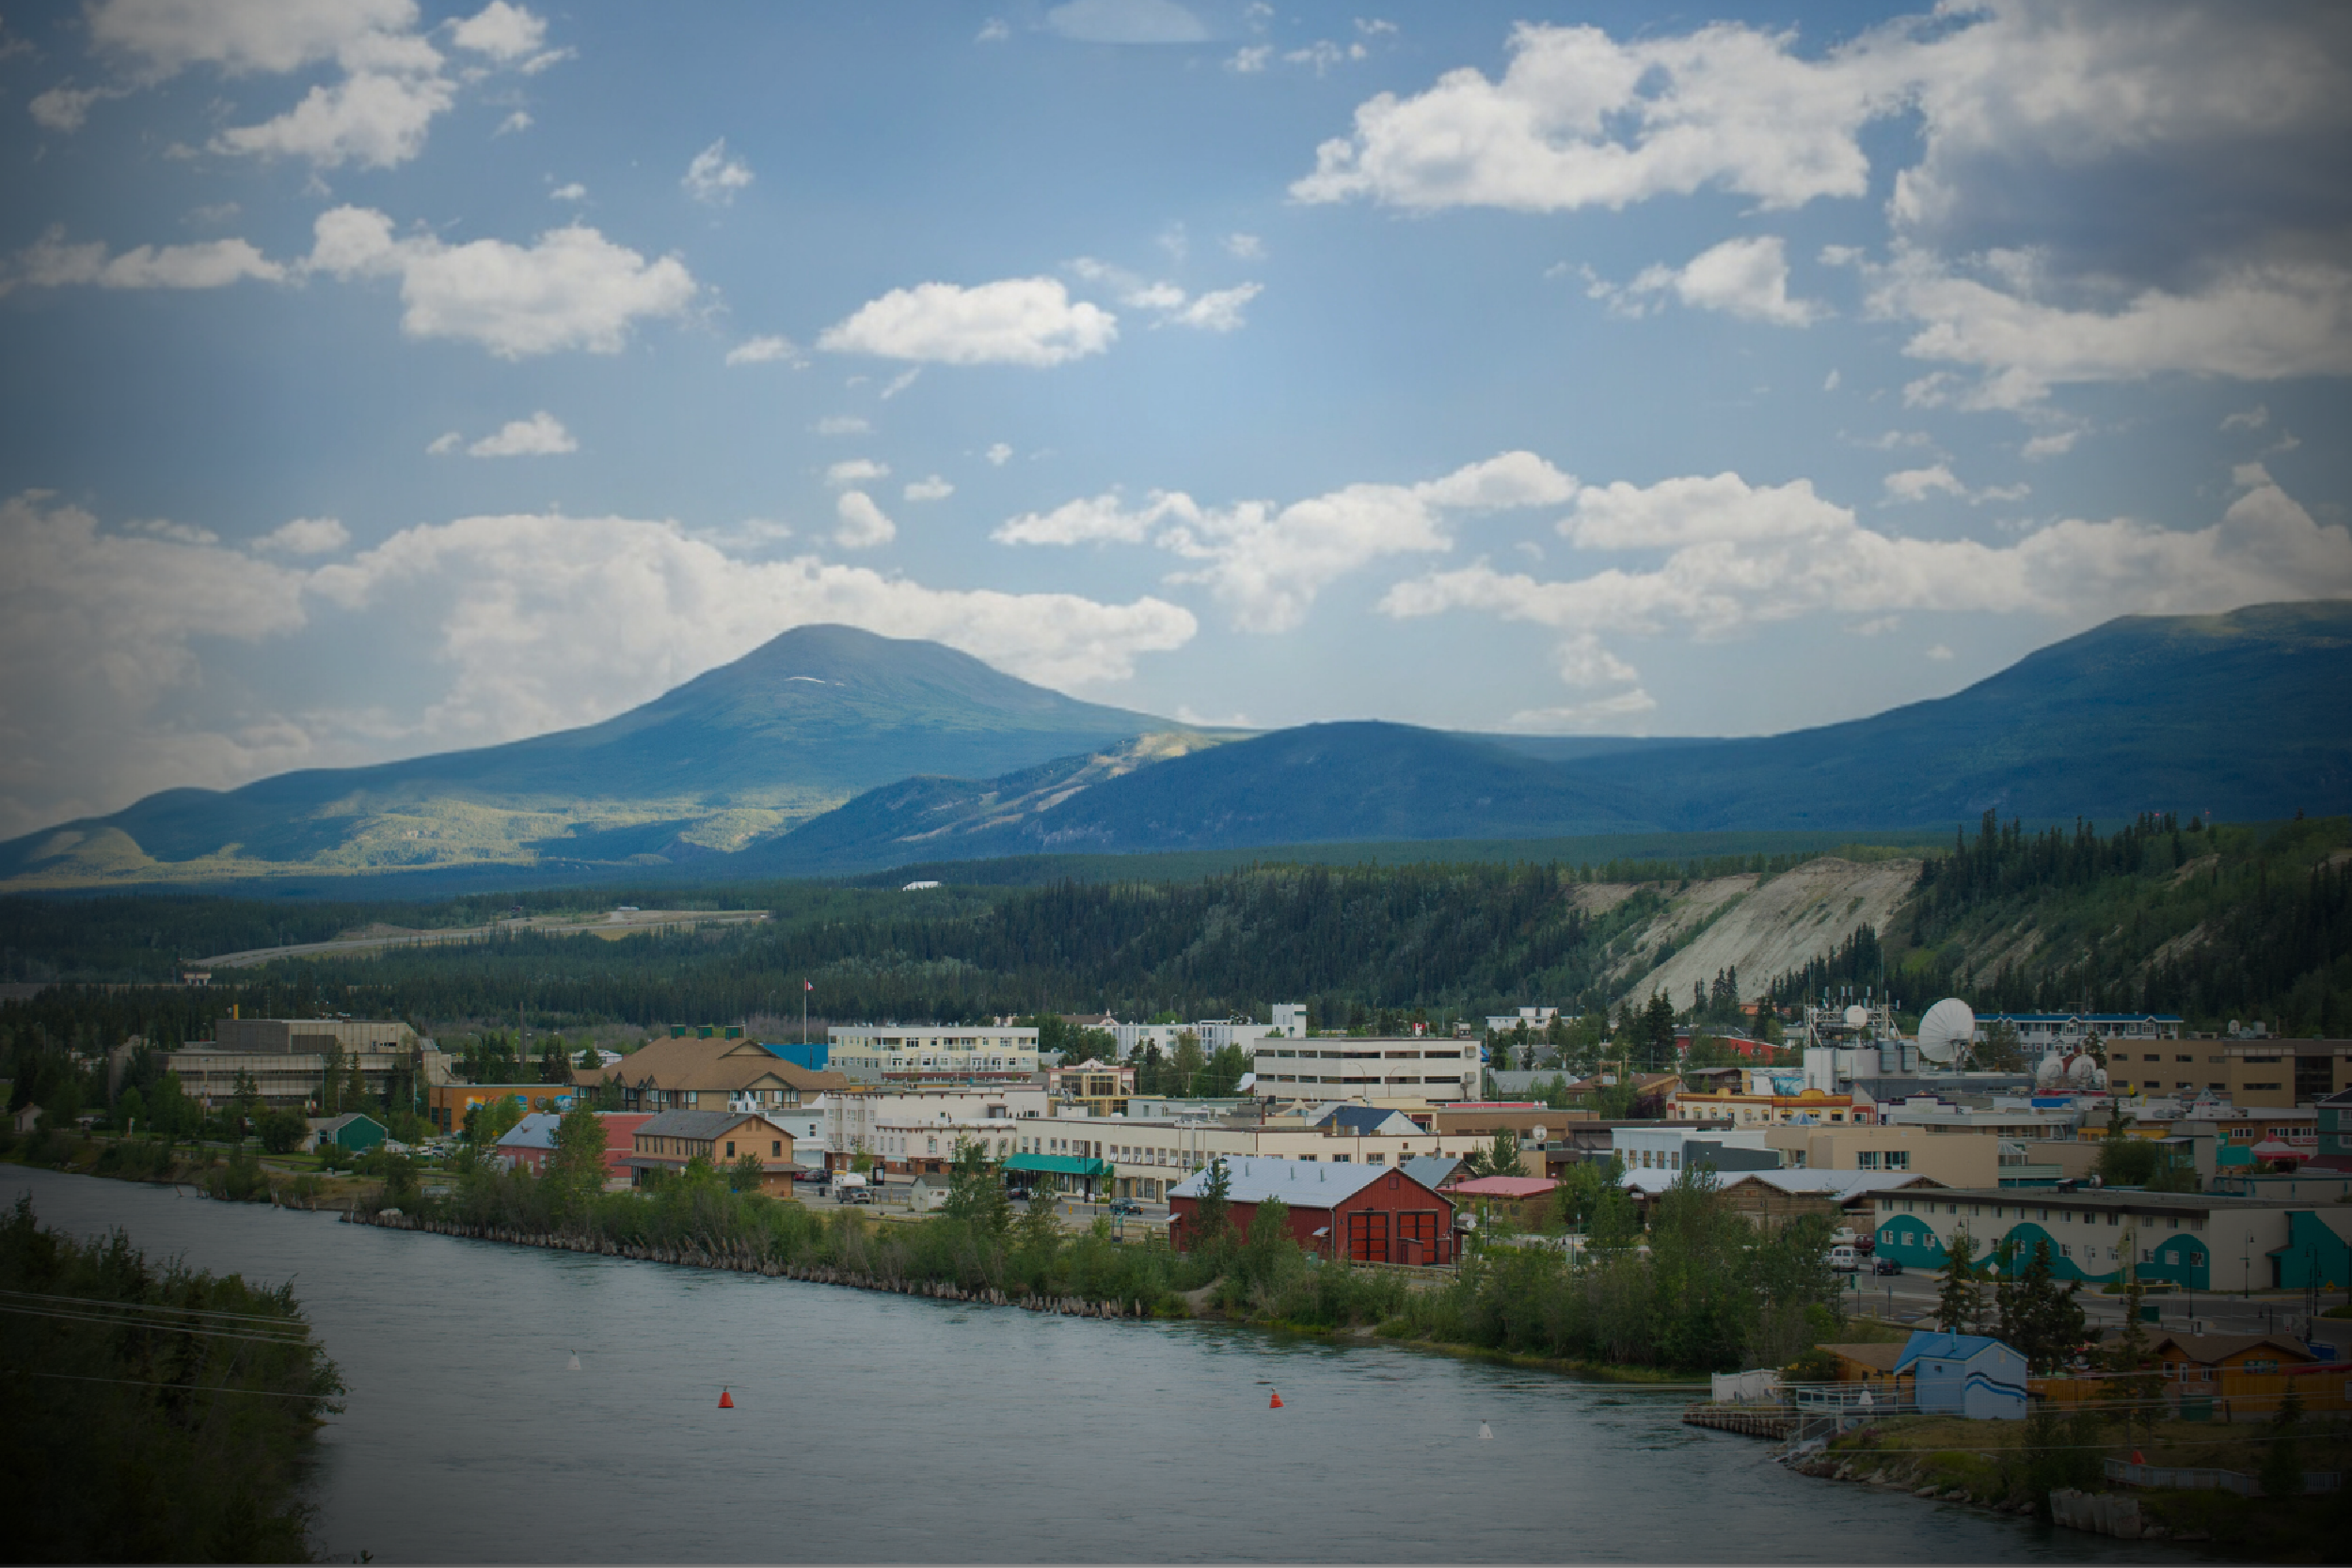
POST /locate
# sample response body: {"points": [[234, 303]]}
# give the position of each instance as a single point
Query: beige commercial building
{"points": [[1956, 1162]]}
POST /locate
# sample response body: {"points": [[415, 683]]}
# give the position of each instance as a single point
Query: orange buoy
{"points": [[727, 1401], [1276, 1402]]}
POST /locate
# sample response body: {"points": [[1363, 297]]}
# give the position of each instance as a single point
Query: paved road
{"points": [[612, 923]]}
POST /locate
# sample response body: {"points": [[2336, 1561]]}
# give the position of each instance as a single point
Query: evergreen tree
{"points": [[1959, 1307]]}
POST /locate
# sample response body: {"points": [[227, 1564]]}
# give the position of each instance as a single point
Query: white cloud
{"points": [[570, 289], [2248, 418], [1017, 320], [479, 630], [1096, 519], [714, 176], [1800, 556], [1250, 59], [375, 119], [856, 471], [101, 630], [1245, 247], [506, 33], [1607, 715], [1126, 22], [998, 454], [931, 490], [53, 262], [864, 525], [243, 36], [1267, 563], [306, 536], [376, 112], [843, 424], [64, 109], [764, 350], [901, 382], [1219, 310], [512, 124], [541, 436], [1579, 120], [2054, 443], [1941, 654], [575, 191], [1917, 484], [2258, 321], [1747, 277], [993, 31]]}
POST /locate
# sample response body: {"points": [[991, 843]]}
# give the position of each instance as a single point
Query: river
{"points": [[883, 1428]]}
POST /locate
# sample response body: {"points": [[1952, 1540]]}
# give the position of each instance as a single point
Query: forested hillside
{"points": [[2160, 916], [2219, 922]]}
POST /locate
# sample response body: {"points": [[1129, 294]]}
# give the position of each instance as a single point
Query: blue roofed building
{"points": [[1964, 1374]]}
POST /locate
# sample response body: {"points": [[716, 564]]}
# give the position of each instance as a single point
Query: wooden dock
{"points": [[1749, 1420]]}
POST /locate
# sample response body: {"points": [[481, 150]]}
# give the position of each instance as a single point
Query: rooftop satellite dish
{"points": [[1947, 1031], [1857, 1016]]}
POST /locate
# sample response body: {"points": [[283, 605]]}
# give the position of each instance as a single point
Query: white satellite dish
{"points": [[1857, 1016], [1947, 1031]]}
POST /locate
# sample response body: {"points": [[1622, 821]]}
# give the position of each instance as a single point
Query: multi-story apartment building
{"points": [[910, 1055], [1409, 1072], [892, 1125], [287, 1059]]}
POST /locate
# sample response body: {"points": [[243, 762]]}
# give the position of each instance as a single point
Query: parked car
{"points": [[819, 1176], [1125, 1206], [855, 1195], [1844, 1259], [1885, 1265]]}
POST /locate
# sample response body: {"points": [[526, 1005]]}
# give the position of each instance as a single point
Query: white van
{"points": [[1845, 1259]]}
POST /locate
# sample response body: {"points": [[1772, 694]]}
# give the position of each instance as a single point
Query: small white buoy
{"points": [[575, 1366], [1486, 1432]]}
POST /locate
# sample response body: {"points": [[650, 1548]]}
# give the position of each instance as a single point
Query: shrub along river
{"points": [[874, 1427]]}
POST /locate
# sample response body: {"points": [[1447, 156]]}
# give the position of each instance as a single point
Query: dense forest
{"points": [[2215, 922]]}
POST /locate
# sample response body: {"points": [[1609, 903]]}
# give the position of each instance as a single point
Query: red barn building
{"points": [[1374, 1213], [527, 1145]]}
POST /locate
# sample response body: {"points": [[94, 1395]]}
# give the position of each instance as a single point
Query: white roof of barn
{"points": [[1301, 1184]]}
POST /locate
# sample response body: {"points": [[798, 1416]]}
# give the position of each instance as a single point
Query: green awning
{"points": [[1058, 1165]]}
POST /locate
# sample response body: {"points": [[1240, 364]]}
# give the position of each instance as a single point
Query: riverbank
{"points": [[2008, 1468]]}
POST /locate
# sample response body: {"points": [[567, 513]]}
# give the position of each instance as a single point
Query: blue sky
{"points": [[384, 377]]}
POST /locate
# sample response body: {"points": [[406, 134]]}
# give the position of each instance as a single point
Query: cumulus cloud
{"points": [[1017, 320], [306, 536], [2263, 322], [375, 118], [931, 490], [506, 33], [101, 628], [1219, 310], [1096, 519], [52, 261], [863, 524], [376, 112], [2099, 192], [478, 630], [843, 424], [65, 107], [1266, 562], [541, 436], [1740, 555], [715, 175], [570, 289], [856, 471], [1580, 119], [1746, 278], [764, 350], [1917, 484]]}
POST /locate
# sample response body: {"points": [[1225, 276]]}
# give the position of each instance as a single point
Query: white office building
{"points": [[1414, 1069], [942, 1054]]}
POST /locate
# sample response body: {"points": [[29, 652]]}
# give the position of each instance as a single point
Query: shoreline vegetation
{"points": [[1700, 1291], [151, 1412]]}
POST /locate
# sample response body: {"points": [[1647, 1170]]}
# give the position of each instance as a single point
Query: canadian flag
{"points": [[808, 985]]}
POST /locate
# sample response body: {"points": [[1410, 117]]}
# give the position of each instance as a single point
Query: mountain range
{"points": [[831, 750]]}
